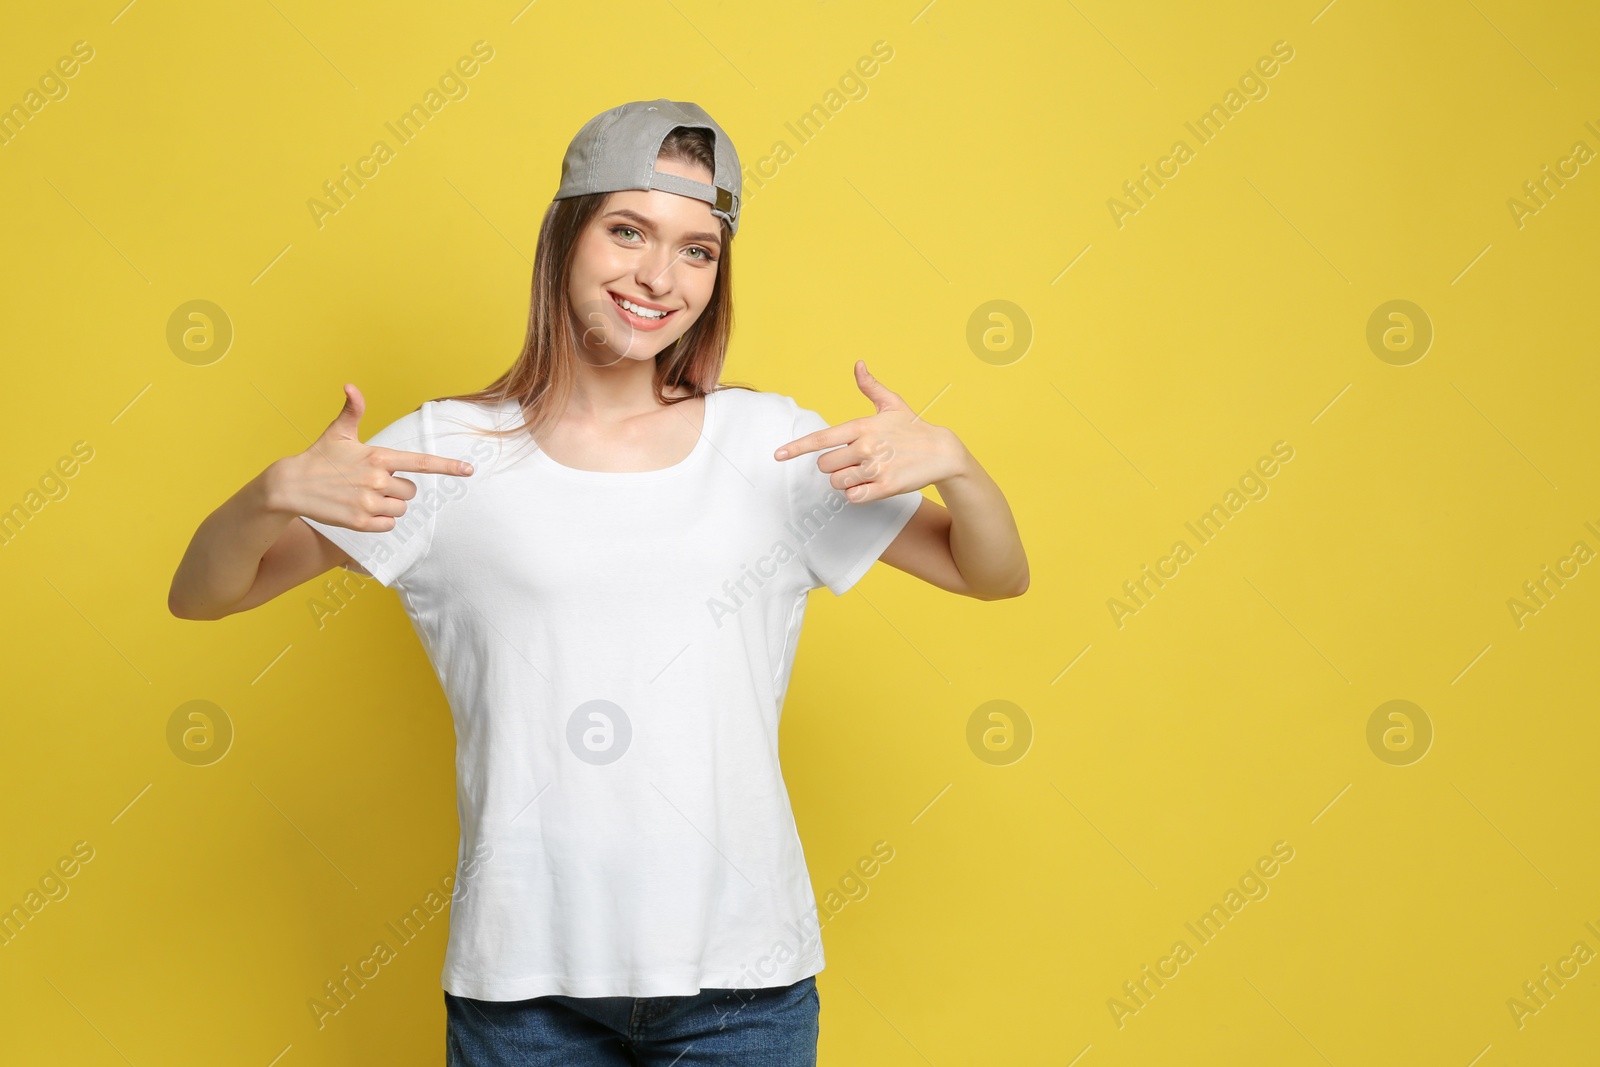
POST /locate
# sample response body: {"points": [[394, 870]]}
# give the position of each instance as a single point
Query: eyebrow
{"points": [[634, 216]]}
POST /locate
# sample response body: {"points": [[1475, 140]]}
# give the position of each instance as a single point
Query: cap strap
{"points": [[718, 197]]}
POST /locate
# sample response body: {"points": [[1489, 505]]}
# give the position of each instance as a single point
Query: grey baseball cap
{"points": [[617, 150]]}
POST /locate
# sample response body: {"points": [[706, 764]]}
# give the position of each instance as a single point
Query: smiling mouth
{"points": [[635, 316]]}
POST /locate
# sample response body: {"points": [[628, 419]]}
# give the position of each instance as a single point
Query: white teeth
{"points": [[644, 313]]}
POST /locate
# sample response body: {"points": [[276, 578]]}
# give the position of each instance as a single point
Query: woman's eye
{"points": [[705, 254]]}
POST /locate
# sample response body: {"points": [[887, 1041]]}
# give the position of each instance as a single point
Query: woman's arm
{"points": [[969, 546], [254, 547], [247, 552]]}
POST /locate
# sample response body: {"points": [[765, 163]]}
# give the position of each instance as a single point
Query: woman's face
{"points": [[655, 249]]}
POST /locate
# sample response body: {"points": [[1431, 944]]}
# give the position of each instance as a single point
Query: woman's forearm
{"points": [[983, 534], [225, 553]]}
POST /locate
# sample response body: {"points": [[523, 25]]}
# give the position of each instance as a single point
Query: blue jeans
{"points": [[771, 1027]]}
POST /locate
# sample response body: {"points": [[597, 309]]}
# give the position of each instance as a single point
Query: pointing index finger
{"points": [[827, 437], [422, 462]]}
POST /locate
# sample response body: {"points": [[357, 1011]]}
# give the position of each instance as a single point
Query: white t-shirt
{"points": [[615, 648]]}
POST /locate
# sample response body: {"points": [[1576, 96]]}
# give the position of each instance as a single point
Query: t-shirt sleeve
{"points": [[389, 556], [839, 540]]}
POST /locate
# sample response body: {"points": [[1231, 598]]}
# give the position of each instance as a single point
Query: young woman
{"points": [[606, 555]]}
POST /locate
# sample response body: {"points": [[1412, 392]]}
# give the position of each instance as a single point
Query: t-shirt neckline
{"points": [[696, 454]]}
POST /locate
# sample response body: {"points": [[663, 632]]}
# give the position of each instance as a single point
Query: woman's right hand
{"points": [[342, 482]]}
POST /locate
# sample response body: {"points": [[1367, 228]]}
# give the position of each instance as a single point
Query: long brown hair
{"points": [[542, 376]]}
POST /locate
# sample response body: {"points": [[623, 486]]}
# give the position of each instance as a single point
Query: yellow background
{"points": [[1229, 313]]}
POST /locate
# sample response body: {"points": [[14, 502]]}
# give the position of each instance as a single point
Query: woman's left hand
{"points": [[884, 454]]}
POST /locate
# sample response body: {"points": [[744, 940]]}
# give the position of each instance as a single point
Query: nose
{"points": [[654, 269]]}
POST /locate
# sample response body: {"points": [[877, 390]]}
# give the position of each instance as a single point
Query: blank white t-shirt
{"points": [[615, 648]]}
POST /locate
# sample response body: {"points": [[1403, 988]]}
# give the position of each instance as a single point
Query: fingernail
{"points": [[467, 467], [782, 452]]}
